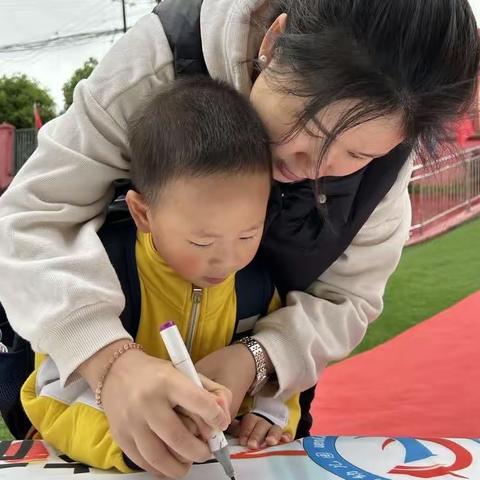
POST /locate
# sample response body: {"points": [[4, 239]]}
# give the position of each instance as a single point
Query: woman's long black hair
{"points": [[416, 57]]}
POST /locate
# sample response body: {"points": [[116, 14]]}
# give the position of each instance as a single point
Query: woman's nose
{"points": [[298, 159]]}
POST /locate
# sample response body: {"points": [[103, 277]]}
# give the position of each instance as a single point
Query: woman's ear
{"points": [[138, 209], [266, 48]]}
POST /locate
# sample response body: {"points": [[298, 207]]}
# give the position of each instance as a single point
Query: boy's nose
{"points": [[227, 263]]}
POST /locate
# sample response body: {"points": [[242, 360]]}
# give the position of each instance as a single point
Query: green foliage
{"points": [[18, 93], [431, 277], [79, 74], [4, 433]]}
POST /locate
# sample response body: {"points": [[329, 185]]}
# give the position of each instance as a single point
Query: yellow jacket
{"points": [[69, 419]]}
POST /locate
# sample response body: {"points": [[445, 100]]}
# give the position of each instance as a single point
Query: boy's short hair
{"points": [[195, 126]]}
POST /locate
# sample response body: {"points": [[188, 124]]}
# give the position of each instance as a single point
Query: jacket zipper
{"points": [[194, 314]]}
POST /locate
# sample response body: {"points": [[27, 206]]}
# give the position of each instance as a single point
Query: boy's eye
{"points": [[201, 245], [247, 238]]}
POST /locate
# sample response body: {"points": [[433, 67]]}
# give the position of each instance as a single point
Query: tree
{"points": [[79, 74], [18, 93]]}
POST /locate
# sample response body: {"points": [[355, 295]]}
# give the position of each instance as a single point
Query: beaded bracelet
{"points": [[116, 355]]}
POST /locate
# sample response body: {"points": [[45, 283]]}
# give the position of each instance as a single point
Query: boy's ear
{"points": [[138, 209]]}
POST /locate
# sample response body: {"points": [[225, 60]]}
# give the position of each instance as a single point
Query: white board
{"points": [[313, 458]]}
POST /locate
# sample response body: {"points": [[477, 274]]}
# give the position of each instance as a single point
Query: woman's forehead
{"points": [[375, 137]]}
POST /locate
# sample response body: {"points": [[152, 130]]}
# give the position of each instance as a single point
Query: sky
{"points": [[31, 20]]}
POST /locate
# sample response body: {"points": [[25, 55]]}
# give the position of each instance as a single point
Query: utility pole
{"points": [[124, 17]]}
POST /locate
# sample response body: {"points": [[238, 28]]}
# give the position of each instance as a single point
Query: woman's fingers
{"points": [[136, 457], [187, 421], [197, 401], [195, 424], [223, 394], [175, 434], [156, 454]]}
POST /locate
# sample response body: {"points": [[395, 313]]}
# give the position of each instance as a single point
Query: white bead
{"points": [[322, 198]]}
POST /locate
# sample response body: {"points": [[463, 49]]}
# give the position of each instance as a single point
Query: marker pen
{"points": [[181, 361]]}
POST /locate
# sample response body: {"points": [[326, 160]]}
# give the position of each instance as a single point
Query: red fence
{"points": [[7, 138], [16, 146], [446, 194]]}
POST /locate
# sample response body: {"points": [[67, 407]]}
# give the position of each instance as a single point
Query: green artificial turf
{"points": [[430, 277]]}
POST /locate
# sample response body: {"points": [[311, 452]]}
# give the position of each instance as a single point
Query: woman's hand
{"points": [[141, 396], [233, 367]]}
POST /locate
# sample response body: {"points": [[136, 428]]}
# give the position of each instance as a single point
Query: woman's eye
{"points": [[201, 245], [353, 155]]}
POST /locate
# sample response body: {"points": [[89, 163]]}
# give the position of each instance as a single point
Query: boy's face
{"points": [[209, 227]]}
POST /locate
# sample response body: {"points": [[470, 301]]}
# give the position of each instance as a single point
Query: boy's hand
{"points": [[255, 432]]}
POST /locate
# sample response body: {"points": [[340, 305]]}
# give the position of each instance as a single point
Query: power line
{"points": [[91, 22], [56, 41], [73, 38]]}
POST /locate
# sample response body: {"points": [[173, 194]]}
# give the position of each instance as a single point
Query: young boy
{"points": [[201, 170]]}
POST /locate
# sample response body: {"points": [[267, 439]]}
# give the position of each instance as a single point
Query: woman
{"points": [[346, 89]]}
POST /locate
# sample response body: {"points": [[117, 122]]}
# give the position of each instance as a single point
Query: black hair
{"points": [[416, 57], [195, 126]]}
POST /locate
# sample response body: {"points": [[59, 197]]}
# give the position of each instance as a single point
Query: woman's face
{"points": [[296, 158]]}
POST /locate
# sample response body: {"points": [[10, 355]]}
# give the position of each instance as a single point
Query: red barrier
{"points": [[7, 138]]}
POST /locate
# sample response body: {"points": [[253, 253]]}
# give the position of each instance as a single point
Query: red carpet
{"points": [[425, 382]]}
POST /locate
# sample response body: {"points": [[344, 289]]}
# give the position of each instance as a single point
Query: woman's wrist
{"points": [[93, 368], [117, 354]]}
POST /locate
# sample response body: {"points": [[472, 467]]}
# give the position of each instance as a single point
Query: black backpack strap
{"points": [[181, 22], [118, 235], [15, 366], [254, 290]]}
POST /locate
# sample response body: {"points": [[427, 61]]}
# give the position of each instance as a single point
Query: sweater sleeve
{"points": [[330, 319], [57, 286]]}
